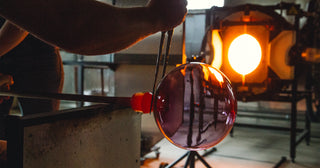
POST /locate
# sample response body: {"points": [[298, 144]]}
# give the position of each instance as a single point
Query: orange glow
{"points": [[213, 71], [216, 74], [244, 54], [205, 72], [217, 45]]}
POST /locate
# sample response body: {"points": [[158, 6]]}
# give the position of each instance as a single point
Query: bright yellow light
{"points": [[213, 71], [244, 54], [216, 74], [217, 49]]}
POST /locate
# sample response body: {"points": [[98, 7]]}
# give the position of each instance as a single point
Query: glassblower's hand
{"points": [[168, 13], [5, 82]]}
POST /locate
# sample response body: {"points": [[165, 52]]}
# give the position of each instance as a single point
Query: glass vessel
{"points": [[194, 106]]}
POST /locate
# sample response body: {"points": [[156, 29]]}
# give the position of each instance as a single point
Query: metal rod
{"points": [[123, 101], [191, 159], [165, 60], [157, 67], [209, 151], [294, 90], [166, 57], [102, 81], [192, 111], [178, 160], [301, 137], [202, 160], [308, 128], [282, 160], [279, 128]]}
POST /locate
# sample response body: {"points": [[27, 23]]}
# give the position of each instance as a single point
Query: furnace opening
{"points": [[244, 54]]}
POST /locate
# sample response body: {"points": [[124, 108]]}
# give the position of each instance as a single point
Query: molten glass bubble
{"points": [[195, 107]]}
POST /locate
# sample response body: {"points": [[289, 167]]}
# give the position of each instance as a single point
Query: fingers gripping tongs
{"points": [[164, 59]]}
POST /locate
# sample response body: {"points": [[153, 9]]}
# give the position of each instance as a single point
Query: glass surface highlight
{"points": [[195, 107]]}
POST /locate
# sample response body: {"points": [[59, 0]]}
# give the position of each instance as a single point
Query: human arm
{"points": [[10, 36], [90, 27]]}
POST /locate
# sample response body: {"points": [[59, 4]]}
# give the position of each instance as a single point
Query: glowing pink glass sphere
{"points": [[195, 107]]}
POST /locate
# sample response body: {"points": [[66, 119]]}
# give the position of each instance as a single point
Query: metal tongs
{"points": [[164, 59]]}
